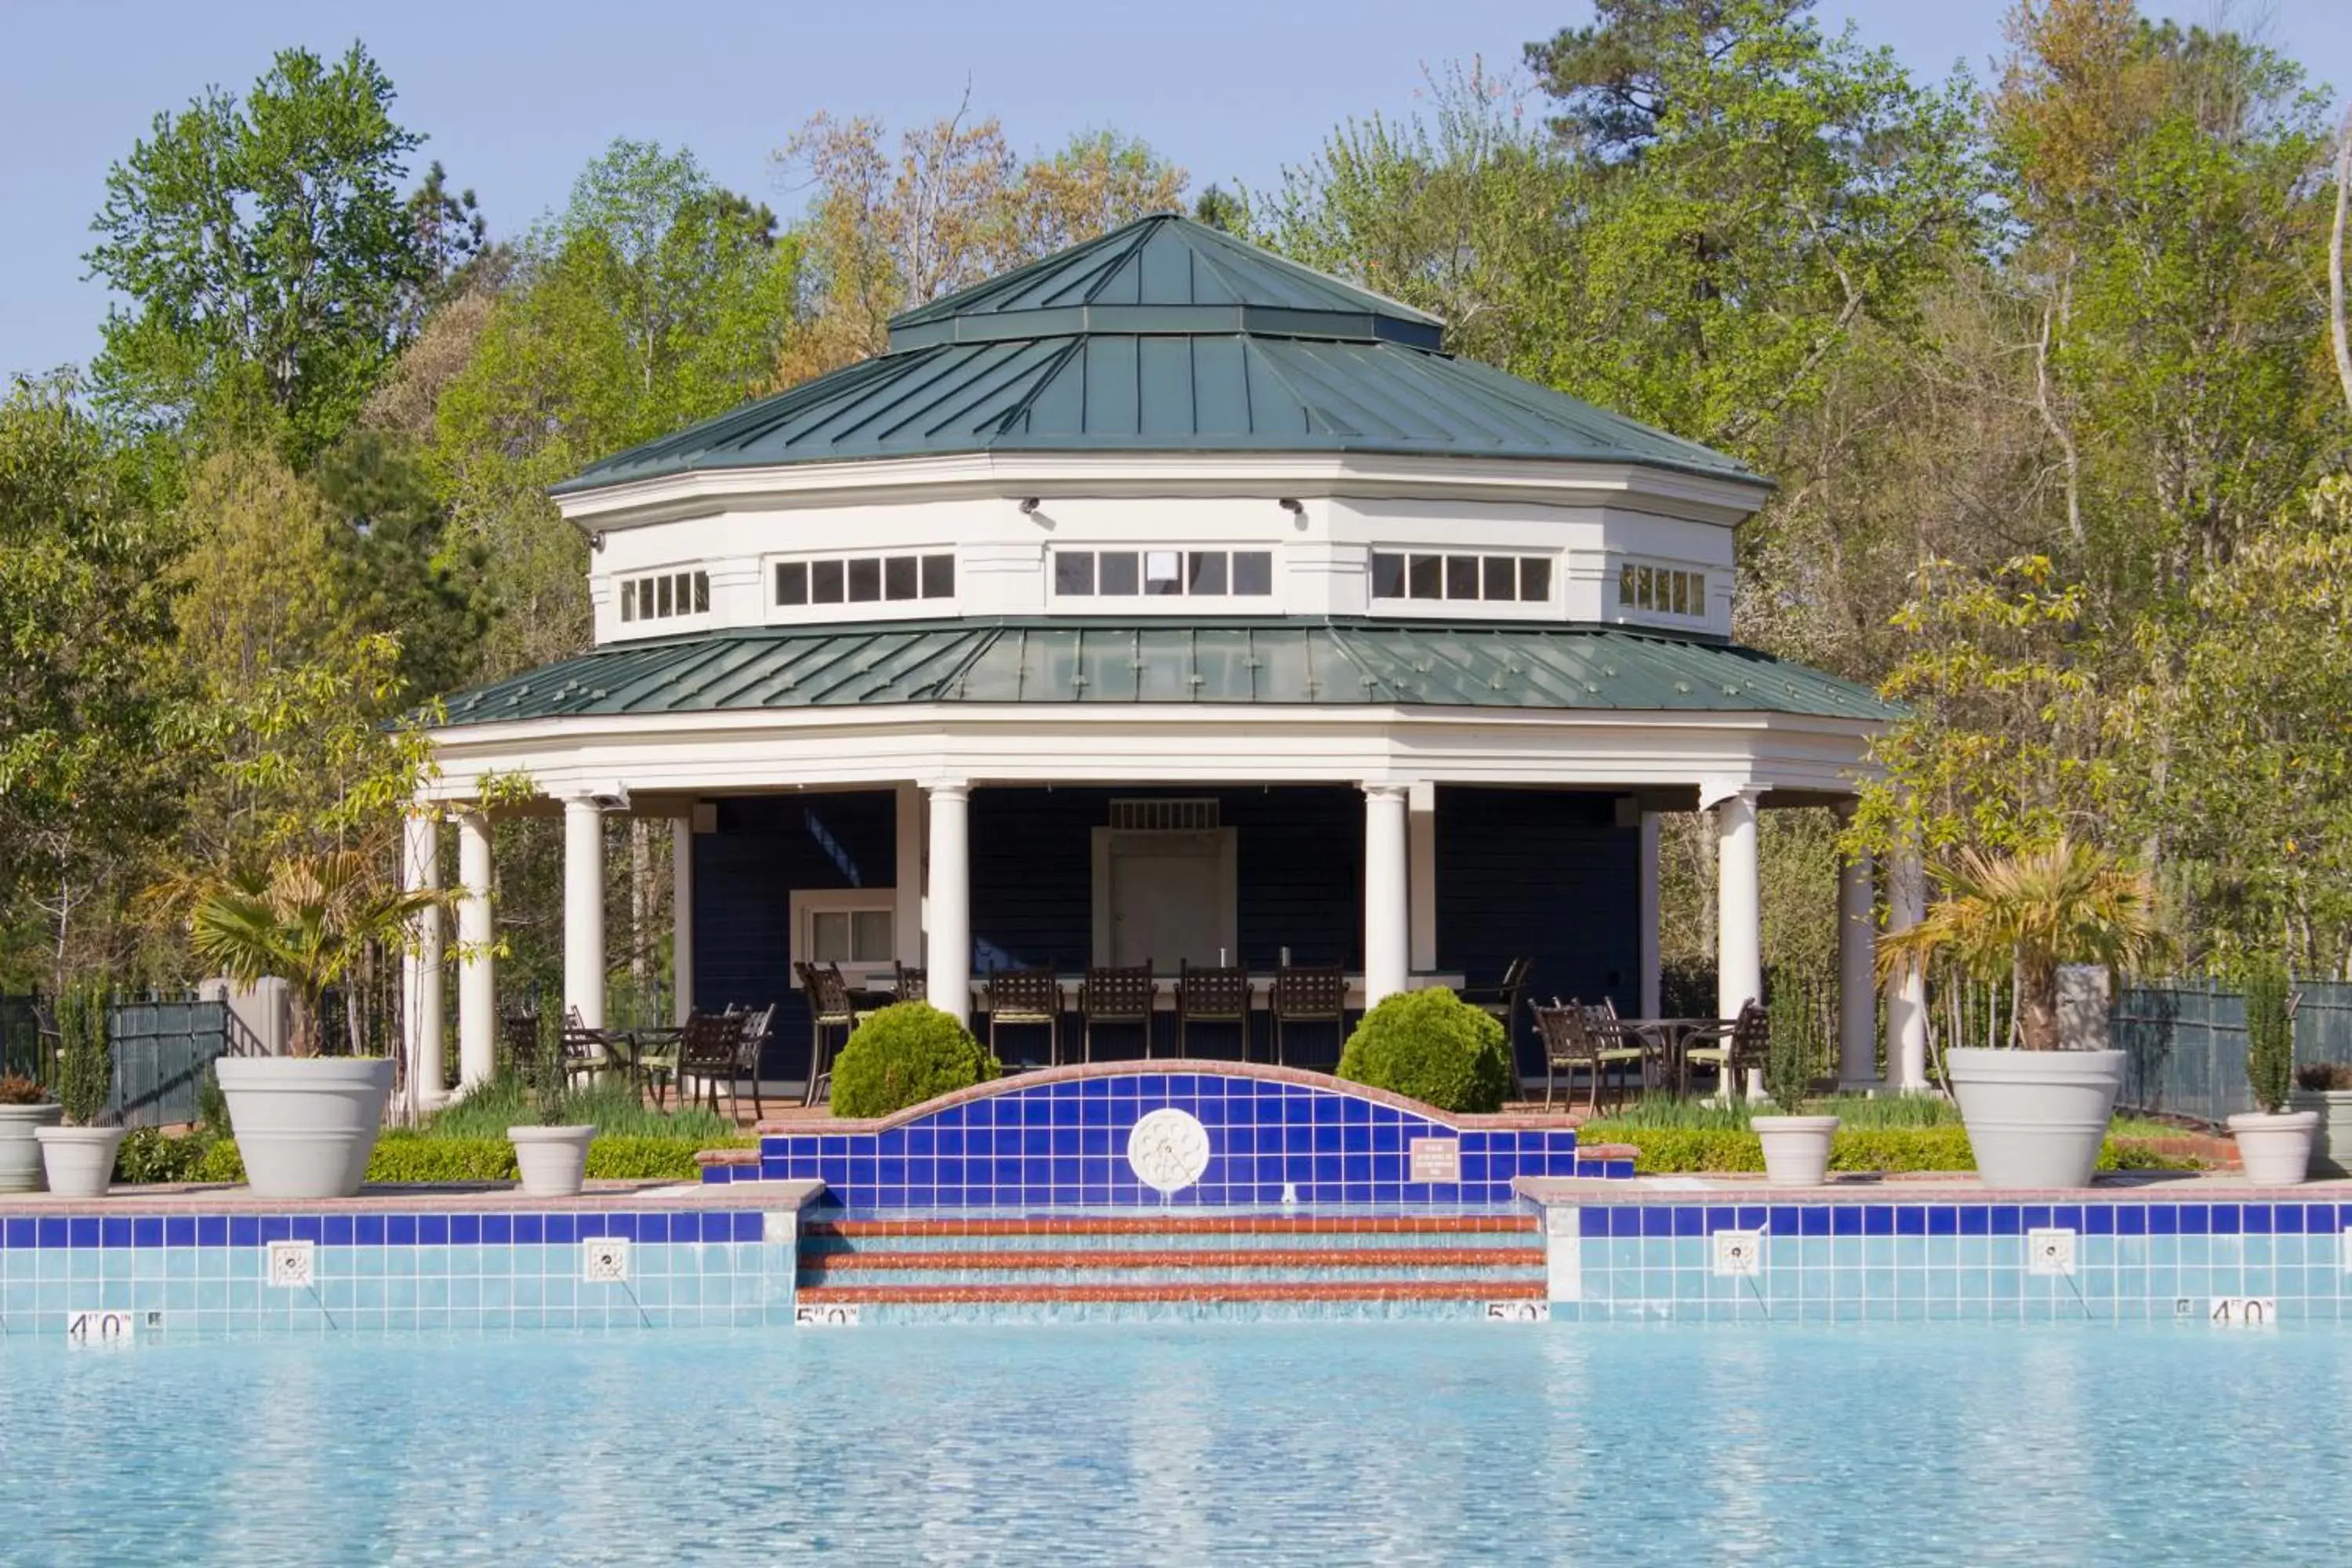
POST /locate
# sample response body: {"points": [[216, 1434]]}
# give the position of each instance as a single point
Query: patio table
{"points": [[1673, 1037]]}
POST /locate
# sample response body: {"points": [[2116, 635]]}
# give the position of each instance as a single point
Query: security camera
{"points": [[611, 798]]}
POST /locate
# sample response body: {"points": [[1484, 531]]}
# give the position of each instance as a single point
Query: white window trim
{"points": [[915, 609], [1231, 603], [626, 582], [809, 902], [1715, 578], [1547, 608]]}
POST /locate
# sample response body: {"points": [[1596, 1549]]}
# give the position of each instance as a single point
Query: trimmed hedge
{"points": [[1683, 1151], [903, 1055], [406, 1157], [1433, 1046]]}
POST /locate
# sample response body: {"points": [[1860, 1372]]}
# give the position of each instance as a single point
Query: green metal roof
{"points": [[1164, 335], [1309, 663]]}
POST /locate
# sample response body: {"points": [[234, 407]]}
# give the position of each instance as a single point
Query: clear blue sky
{"points": [[516, 97]]}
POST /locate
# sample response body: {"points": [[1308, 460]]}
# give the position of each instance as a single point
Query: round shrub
{"points": [[1433, 1046], [902, 1056]]}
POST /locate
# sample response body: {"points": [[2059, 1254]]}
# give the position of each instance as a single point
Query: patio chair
{"points": [[753, 1031], [1742, 1044], [1501, 1001], [1308, 994], [908, 984], [1116, 995], [1580, 1038], [832, 1009], [585, 1052], [707, 1052], [520, 1031], [1211, 995], [1025, 998]]}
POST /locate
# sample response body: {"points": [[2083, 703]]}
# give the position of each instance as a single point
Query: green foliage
{"points": [[87, 688], [404, 1155], [2270, 1034], [903, 1055], [1789, 1060], [1433, 1046], [149, 1156], [1681, 1150], [1853, 1111], [612, 1108], [85, 1072], [266, 251]]}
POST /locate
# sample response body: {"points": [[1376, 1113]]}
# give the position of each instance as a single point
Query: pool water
{"points": [[1312, 1443]]}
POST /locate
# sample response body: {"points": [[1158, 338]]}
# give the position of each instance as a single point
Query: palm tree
{"points": [[2024, 915], [307, 921]]}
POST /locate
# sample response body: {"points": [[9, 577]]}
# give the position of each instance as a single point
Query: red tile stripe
{"points": [[1183, 1258], [1269, 1290], [1185, 1224]]}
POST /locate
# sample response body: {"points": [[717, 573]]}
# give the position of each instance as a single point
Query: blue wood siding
{"points": [[744, 875], [1545, 874]]}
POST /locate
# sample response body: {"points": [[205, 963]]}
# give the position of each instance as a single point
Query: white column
{"points": [[1739, 901], [420, 968], [583, 909], [906, 916], [1652, 1003], [681, 915], [1420, 854], [1906, 994], [948, 980], [1857, 986], [1388, 934], [477, 980]]}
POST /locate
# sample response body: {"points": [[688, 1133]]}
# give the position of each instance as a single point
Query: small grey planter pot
{"points": [[2275, 1150], [1795, 1149], [20, 1152], [553, 1160], [80, 1160], [305, 1125], [2331, 1146], [2036, 1119]]}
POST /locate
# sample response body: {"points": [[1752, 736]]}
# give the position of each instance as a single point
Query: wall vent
{"points": [[1162, 813]]}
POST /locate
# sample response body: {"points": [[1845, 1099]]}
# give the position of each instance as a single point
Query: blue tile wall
{"points": [[1063, 1144], [208, 1274], [2134, 1261]]}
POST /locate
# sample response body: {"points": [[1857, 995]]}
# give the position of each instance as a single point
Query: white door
{"points": [[1170, 898]]}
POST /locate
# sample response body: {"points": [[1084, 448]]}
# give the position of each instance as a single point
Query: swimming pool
{"points": [[1265, 1442]]}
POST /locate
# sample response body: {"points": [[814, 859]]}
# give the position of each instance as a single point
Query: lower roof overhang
{"points": [[1677, 721]]}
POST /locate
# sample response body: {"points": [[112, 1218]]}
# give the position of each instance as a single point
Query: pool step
{"points": [[1178, 1266]]}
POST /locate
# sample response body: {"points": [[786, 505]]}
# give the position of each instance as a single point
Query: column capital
{"points": [[1716, 791], [959, 789], [1385, 791]]}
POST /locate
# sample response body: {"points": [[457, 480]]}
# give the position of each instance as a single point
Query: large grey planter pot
{"points": [[2036, 1119], [20, 1152], [80, 1160], [1795, 1149], [305, 1125], [553, 1160], [2275, 1150], [2331, 1146]]}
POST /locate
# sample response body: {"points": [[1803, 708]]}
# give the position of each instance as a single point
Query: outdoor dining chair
{"points": [[1025, 998], [907, 984], [1308, 994], [1124, 994], [1211, 995], [520, 1034], [832, 1010], [753, 1031], [1501, 1001], [707, 1052], [1580, 1038], [1743, 1042]]}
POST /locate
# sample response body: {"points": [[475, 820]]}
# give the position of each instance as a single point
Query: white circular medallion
{"points": [[1168, 1149]]}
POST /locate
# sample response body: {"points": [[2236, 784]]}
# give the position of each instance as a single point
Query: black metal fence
{"points": [[2186, 1043], [162, 1049]]}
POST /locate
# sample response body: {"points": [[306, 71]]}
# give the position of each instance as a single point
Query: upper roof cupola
{"points": [[1162, 336]]}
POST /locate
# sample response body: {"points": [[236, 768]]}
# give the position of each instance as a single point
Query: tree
{"points": [[654, 299], [955, 206], [398, 564], [1761, 191], [2019, 917], [266, 254], [88, 688]]}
